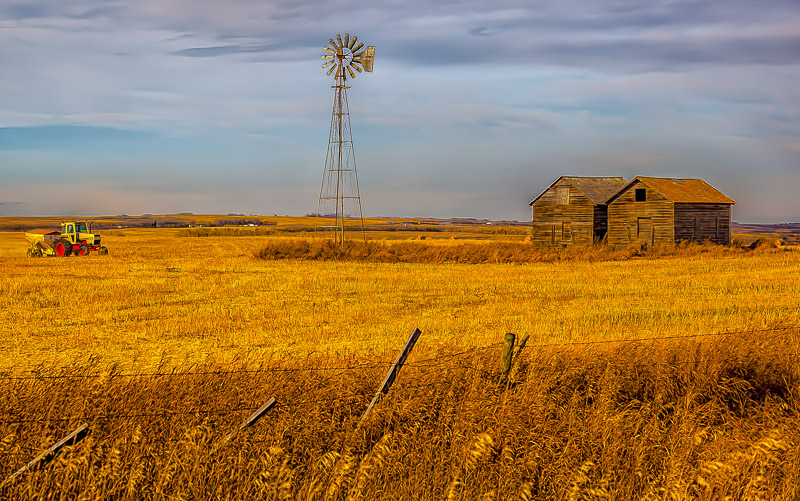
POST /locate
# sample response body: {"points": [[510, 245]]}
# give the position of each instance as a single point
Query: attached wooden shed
{"points": [[655, 210], [573, 210]]}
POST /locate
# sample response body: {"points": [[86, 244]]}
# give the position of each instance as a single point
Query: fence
{"points": [[510, 357]]}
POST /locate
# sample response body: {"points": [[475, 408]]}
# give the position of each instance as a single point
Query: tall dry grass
{"points": [[476, 252], [709, 420]]}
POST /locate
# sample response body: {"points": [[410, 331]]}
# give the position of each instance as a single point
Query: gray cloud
{"points": [[631, 36], [222, 50], [26, 10]]}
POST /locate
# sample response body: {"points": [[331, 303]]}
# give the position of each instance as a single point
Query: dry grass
{"points": [[160, 299], [699, 419], [425, 251]]}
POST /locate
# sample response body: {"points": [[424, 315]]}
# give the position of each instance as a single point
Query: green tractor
{"points": [[74, 239]]}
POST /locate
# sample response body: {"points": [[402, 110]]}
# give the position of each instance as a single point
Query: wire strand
{"points": [[376, 365]]}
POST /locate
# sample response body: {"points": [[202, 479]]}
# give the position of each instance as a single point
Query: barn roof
{"points": [[597, 189], [681, 190]]}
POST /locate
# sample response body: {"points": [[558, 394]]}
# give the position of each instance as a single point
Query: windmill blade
{"points": [[349, 55]]}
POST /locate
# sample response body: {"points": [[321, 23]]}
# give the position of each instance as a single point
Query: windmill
{"points": [[339, 197]]}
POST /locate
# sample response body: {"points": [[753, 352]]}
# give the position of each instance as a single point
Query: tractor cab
{"points": [[78, 233], [68, 232]]}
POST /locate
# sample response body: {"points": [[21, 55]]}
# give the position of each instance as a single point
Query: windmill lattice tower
{"points": [[339, 196]]}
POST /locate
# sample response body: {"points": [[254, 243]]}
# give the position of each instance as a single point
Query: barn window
{"points": [[641, 195], [566, 231], [562, 195]]}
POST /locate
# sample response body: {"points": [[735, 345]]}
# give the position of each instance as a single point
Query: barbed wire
{"points": [[429, 362], [196, 373]]}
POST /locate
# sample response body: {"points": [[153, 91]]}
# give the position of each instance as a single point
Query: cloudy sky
{"points": [[474, 107]]}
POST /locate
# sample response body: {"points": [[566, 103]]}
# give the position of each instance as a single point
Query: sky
{"points": [[473, 108]]}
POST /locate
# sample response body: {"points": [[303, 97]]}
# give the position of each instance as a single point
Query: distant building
{"points": [[573, 210], [655, 210]]}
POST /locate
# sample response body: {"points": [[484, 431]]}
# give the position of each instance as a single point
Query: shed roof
{"points": [[597, 189], [681, 190]]}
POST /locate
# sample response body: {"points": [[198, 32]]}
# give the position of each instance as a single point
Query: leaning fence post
{"points": [[251, 420], [515, 362], [508, 352], [521, 346], [392, 374], [48, 455]]}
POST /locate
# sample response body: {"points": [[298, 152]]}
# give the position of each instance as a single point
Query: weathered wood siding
{"points": [[650, 222], [699, 221], [559, 224]]}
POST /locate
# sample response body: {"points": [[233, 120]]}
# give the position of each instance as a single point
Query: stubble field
{"points": [[167, 344]]}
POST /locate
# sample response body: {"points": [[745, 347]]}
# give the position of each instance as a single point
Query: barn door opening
{"points": [[644, 231], [566, 231]]}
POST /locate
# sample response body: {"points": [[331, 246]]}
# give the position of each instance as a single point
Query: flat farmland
{"points": [[161, 298], [586, 416]]}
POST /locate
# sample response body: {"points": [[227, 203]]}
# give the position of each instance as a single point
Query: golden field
{"points": [[177, 338]]}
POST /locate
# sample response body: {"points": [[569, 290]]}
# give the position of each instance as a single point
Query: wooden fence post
{"points": [[508, 352], [48, 455], [251, 420], [392, 374]]}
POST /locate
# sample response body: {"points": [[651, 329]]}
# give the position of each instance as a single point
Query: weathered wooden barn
{"points": [[655, 210], [573, 210]]}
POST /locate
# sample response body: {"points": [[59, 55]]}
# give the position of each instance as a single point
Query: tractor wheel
{"points": [[30, 253], [62, 248], [103, 250], [82, 251]]}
